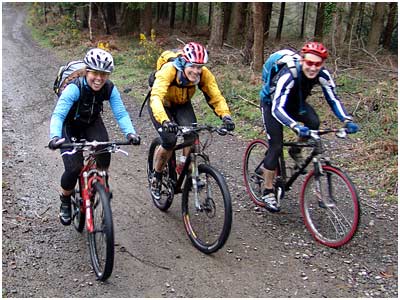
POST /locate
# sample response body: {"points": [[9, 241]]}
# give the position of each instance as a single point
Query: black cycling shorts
{"points": [[182, 115]]}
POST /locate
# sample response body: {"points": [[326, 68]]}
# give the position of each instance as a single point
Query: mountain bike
{"points": [[91, 204], [206, 201], [328, 199]]}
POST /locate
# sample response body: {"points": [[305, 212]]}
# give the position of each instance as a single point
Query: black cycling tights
{"points": [[275, 130], [73, 163]]}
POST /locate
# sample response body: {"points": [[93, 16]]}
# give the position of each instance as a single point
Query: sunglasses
{"points": [[311, 63]]}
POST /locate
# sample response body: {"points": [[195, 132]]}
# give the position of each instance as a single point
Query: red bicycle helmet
{"points": [[195, 53], [315, 48]]}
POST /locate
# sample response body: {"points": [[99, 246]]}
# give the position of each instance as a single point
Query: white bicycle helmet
{"points": [[99, 60]]}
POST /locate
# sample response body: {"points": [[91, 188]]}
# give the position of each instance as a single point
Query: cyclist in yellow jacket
{"points": [[170, 102]]}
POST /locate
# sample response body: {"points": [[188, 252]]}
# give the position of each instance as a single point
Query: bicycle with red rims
{"points": [[91, 204], [206, 201], [328, 199]]}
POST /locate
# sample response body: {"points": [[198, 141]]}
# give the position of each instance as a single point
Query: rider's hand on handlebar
{"points": [[351, 127], [169, 126], [228, 123], [134, 139], [301, 131], [56, 142]]}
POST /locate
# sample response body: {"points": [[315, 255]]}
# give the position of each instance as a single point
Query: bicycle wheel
{"points": [[167, 190], [101, 240], [252, 169], [78, 212], [208, 224], [332, 222]]}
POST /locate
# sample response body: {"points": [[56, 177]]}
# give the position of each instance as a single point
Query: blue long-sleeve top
{"points": [[71, 94], [287, 93]]}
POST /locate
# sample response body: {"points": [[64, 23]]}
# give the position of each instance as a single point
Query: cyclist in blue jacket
{"points": [[286, 106], [77, 115]]}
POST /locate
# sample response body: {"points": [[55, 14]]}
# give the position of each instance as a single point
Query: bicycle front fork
{"points": [[325, 199]]}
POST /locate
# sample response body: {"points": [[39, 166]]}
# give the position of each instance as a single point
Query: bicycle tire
{"points": [[335, 224], [253, 156], [204, 236], [101, 240], [167, 191], [78, 212]]}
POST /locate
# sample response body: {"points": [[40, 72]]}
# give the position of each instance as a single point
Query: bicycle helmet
{"points": [[99, 60], [195, 53], [315, 48]]}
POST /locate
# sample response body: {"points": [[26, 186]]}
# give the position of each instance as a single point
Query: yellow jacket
{"points": [[167, 92]]}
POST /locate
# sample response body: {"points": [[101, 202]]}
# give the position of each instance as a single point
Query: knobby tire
{"points": [[208, 229], [101, 240]]}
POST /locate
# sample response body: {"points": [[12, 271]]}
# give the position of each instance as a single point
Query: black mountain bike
{"points": [[328, 199], [206, 201]]}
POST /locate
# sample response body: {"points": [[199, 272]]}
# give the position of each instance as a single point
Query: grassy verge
{"points": [[368, 92]]}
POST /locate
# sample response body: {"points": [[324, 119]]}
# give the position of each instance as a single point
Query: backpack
{"points": [[165, 57], [67, 73], [275, 62]]}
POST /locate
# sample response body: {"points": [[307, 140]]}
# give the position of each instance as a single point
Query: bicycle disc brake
{"points": [[208, 207]]}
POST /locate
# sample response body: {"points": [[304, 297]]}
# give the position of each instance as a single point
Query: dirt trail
{"points": [[270, 255]]}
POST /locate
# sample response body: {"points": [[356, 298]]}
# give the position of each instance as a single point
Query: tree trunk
{"points": [[100, 7], [90, 22], [280, 23], [183, 12], [237, 23], [190, 13], [247, 51], [172, 16], [337, 28], [195, 15], [258, 47], [376, 27], [390, 25], [350, 24], [268, 15], [146, 18], [227, 11], [319, 23], [360, 19], [303, 20], [217, 26], [109, 9]]}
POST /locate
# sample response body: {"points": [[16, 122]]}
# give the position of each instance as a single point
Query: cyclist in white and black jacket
{"points": [[287, 106]]}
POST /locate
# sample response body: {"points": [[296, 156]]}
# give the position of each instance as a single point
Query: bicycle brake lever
{"points": [[73, 151], [222, 131], [122, 151], [341, 133]]}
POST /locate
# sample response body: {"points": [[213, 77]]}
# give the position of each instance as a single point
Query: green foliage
{"points": [[61, 30], [150, 52]]}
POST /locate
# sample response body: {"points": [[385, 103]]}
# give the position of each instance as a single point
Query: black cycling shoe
{"points": [[65, 210]]}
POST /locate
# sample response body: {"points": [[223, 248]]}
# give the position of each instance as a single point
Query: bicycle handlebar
{"points": [[111, 146], [197, 128], [340, 133]]}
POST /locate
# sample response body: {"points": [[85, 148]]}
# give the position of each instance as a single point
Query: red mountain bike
{"points": [[91, 204]]}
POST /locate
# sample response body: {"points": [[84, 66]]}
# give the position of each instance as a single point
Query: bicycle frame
{"points": [[89, 175]]}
